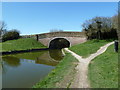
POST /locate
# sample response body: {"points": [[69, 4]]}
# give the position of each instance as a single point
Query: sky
{"points": [[60, 0], [40, 17]]}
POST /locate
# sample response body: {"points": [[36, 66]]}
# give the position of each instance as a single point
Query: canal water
{"points": [[23, 70]]}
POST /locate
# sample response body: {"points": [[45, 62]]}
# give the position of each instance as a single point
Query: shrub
{"points": [[10, 35]]}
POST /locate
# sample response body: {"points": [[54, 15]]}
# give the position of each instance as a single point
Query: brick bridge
{"points": [[59, 39]]}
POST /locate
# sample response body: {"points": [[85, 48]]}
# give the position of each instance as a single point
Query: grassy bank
{"points": [[61, 76], [21, 44], [103, 70], [87, 48]]}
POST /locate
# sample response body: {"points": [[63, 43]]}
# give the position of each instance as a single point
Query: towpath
{"points": [[81, 79]]}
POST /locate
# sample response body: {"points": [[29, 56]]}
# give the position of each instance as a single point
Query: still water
{"points": [[23, 70]]}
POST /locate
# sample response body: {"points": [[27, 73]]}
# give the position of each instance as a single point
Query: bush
{"points": [[10, 35]]}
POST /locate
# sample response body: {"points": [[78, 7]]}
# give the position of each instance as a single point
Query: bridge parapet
{"points": [[62, 34], [56, 34]]}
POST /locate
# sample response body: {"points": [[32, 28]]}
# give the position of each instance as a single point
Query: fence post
{"points": [[116, 46]]}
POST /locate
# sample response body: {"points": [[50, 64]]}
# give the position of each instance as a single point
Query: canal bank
{"points": [[26, 56], [15, 59], [62, 76], [23, 51], [21, 45], [23, 70]]}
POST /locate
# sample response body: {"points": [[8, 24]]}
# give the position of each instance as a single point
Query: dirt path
{"points": [[80, 79]]}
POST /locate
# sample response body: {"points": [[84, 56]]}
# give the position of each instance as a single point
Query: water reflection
{"points": [[12, 61], [56, 54], [23, 70]]}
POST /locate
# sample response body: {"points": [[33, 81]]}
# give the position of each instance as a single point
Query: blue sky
{"points": [[41, 17]]}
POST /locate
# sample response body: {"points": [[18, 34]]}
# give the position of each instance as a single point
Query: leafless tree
{"points": [[56, 30], [2, 28]]}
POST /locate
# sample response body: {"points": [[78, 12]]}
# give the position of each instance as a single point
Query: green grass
{"points": [[87, 48], [61, 76], [21, 44], [103, 70]]}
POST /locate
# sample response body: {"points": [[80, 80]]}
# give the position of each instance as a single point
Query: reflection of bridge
{"points": [[53, 38]]}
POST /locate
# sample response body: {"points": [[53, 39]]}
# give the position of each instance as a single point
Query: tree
{"points": [[56, 30], [116, 20], [10, 35], [99, 28], [2, 28]]}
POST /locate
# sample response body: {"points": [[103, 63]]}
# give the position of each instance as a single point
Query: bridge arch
{"points": [[59, 43]]}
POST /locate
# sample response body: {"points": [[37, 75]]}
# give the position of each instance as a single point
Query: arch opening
{"points": [[59, 43]]}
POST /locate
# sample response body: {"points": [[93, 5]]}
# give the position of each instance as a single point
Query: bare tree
{"points": [[2, 28], [56, 30]]}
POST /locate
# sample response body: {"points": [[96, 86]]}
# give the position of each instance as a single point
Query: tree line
{"points": [[101, 28]]}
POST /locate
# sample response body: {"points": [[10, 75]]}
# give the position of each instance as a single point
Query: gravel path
{"points": [[80, 79]]}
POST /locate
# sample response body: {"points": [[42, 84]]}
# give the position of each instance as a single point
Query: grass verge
{"points": [[61, 76], [21, 44], [87, 48], [103, 70]]}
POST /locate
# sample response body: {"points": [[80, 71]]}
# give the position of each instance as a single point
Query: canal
{"points": [[23, 70]]}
